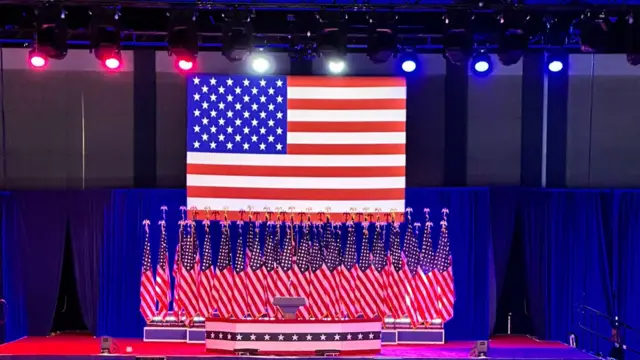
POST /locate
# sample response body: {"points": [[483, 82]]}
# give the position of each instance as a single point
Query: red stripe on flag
{"points": [[297, 171], [346, 104], [346, 126], [294, 194], [346, 149], [322, 81]]}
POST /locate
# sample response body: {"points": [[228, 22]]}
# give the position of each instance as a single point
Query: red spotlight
{"points": [[112, 63], [36, 59], [184, 64]]}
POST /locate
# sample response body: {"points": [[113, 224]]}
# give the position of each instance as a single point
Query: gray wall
{"points": [[72, 124]]}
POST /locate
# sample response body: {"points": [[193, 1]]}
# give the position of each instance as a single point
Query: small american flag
{"points": [[147, 293], [283, 273], [394, 281], [280, 141], [444, 269], [207, 299], [224, 277], [318, 303], [239, 294], [330, 270], [379, 266], [425, 281], [411, 259], [176, 274], [255, 274], [271, 246], [348, 273], [367, 289], [300, 275], [163, 281], [188, 284]]}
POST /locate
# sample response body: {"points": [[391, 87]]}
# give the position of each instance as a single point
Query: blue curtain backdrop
{"points": [[581, 247]]}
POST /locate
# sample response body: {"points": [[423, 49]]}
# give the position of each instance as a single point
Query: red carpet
{"points": [[513, 347]]}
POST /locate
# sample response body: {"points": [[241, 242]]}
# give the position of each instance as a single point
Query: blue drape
{"points": [[566, 258], [33, 246]]}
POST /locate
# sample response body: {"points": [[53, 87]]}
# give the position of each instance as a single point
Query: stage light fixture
{"points": [[237, 35], [457, 39], [105, 37], [593, 31], [382, 40], [50, 36], [260, 64], [331, 40], [481, 64], [183, 39], [632, 39], [336, 65], [513, 37]]}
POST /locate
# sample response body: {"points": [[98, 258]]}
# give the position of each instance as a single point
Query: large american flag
{"points": [[147, 293], [444, 271], [290, 141], [163, 280]]}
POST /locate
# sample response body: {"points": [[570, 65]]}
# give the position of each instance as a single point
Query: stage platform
{"points": [[87, 348]]}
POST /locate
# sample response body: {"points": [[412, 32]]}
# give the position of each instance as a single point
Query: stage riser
{"points": [[197, 335]]}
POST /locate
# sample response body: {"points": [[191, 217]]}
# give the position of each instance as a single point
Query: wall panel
{"points": [[494, 126]]}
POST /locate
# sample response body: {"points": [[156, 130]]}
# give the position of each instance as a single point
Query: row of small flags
{"points": [[412, 282]]}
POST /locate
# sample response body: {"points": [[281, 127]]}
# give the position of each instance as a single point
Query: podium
{"points": [[289, 305]]}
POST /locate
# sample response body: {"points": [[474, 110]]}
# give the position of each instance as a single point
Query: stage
{"points": [[85, 347]]}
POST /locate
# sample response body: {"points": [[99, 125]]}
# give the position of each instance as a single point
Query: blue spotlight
{"points": [[409, 66], [555, 65], [481, 64]]}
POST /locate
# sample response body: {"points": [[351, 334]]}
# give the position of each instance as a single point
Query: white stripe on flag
{"points": [[347, 115], [346, 138], [335, 205], [295, 160], [296, 182], [342, 93]]}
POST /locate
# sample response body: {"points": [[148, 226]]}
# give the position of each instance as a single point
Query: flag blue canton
{"points": [[237, 114]]}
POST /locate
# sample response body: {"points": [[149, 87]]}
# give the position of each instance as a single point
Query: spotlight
{"points": [[336, 66], [481, 64], [51, 32], [184, 64], [260, 64], [112, 62], [237, 35], [183, 39], [457, 39], [105, 37], [409, 66], [555, 66], [513, 39], [36, 59], [381, 45]]}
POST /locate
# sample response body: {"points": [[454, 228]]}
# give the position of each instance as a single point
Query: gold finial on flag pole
{"points": [[328, 212], [226, 213], [409, 211], [194, 213], [183, 210], [146, 223], [267, 213], [164, 209], [445, 212]]}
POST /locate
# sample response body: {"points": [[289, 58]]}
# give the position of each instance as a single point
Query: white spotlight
{"points": [[260, 64], [336, 66]]}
